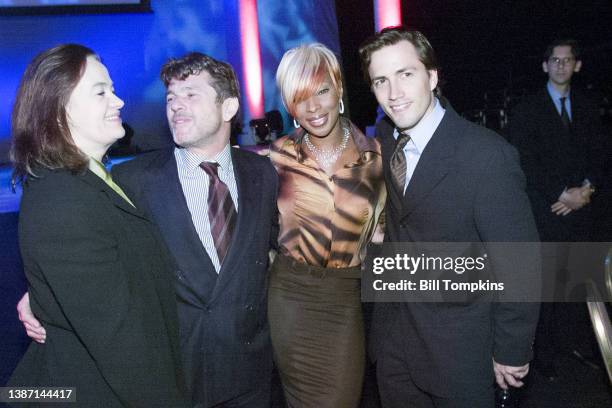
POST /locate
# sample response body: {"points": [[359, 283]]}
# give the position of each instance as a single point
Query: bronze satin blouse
{"points": [[328, 221]]}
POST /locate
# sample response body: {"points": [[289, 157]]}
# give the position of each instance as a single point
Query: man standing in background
{"points": [[558, 134]]}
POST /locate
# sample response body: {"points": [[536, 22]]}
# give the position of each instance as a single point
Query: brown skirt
{"points": [[316, 326]]}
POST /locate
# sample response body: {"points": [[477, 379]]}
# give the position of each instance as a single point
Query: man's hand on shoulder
{"points": [[509, 376]]}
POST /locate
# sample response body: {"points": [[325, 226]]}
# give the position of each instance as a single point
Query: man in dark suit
{"points": [[221, 289], [221, 299], [449, 181], [558, 134]]}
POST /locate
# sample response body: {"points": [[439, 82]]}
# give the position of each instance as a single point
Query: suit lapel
{"points": [[248, 184], [169, 209], [434, 164], [580, 116], [554, 119], [90, 178]]}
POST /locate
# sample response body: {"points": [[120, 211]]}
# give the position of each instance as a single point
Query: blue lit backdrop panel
{"points": [[134, 46], [46, 3], [287, 24]]}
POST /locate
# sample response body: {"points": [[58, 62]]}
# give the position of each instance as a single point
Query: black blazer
{"points": [[99, 281], [553, 158], [467, 187], [224, 333]]}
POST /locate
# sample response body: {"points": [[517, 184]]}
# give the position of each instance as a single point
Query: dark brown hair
{"points": [[224, 80], [391, 36], [573, 44], [39, 123], [223, 77]]}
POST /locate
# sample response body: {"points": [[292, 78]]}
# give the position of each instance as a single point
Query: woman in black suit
{"points": [[99, 278]]}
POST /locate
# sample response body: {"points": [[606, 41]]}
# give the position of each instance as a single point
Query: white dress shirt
{"points": [[419, 137], [195, 182]]}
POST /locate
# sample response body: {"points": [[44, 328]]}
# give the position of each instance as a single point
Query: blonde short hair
{"points": [[302, 70]]}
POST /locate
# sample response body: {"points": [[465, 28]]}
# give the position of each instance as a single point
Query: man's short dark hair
{"points": [[573, 44], [391, 36], [222, 75]]}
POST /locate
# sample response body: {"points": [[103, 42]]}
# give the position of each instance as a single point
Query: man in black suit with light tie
{"points": [[450, 180], [558, 134], [215, 207]]}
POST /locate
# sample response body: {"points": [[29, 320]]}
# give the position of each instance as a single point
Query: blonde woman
{"points": [[331, 195]]}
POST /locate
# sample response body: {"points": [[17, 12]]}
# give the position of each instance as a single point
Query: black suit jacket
{"points": [[467, 187], [223, 317], [553, 158], [99, 281]]}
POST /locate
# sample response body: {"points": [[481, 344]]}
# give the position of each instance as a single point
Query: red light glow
{"points": [[251, 57], [387, 13]]}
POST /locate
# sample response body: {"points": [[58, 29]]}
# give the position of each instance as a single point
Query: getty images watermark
{"points": [[490, 272]]}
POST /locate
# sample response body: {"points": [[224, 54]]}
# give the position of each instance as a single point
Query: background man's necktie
{"points": [[222, 214], [564, 115], [398, 162]]}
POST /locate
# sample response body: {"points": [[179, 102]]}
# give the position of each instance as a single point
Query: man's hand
{"points": [[264, 151], [576, 197], [33, 327], [508, 375], [560, 208], [572, 199]]}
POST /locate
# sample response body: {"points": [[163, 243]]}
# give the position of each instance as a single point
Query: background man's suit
{"points": [[223, 317], [467, 187], [554, 158]]}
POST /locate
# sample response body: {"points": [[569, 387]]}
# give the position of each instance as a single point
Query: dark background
{"points": [[485, 47]]}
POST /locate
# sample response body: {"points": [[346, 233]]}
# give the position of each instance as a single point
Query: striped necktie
{"points": [[222, 213], [398, 162]]}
